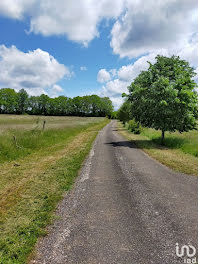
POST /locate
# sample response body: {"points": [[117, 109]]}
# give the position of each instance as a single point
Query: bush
{"points": [[134, 127]]}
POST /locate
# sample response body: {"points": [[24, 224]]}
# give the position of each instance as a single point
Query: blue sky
{"points": [[43, 45]]}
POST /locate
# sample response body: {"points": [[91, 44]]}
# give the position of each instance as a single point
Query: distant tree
{"points": [[164, 96], [43, 103], [95, 104], [22, 101], [92, 105], [106, 107], [33, 105], [8, 101], [60, 105]]}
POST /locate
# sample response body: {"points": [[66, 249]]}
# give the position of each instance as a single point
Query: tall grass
{"points": [[24, 140]]}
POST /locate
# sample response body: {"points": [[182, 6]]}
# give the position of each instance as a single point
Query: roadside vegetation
{"points": [[161, 112], [179, 151], [37, 169]]}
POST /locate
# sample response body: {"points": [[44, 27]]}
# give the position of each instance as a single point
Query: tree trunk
{"points": [[163, 136]]}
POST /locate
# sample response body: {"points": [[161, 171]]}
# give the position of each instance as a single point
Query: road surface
{"points": [[125, 208]]}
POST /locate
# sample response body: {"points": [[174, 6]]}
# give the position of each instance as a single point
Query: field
{"points": [[37, 167], [180, 151]]}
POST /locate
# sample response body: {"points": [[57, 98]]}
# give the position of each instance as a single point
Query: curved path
{"points": [[125, 208]]}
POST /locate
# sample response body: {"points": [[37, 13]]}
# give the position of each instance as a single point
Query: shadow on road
{"points": [[118, 129], [147, 144], [127, 144]]}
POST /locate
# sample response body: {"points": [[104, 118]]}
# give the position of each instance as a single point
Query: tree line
{"points": [[164, 97], [12, 102]]}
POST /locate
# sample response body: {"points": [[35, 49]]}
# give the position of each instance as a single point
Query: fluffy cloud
{"points": [[55, 90], [34, 71], [131, 71], [150, 25], [103, 76], [140, 26], [83, 68], [114, 89], [16, 8], [77, 21]]}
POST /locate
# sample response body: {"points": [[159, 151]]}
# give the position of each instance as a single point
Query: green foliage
{"points": [[134, 127], [8, 101], [164, 96], [124, 113], [20, 103], [114, 115]]}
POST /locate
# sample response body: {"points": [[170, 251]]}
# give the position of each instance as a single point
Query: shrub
{"points": [[134, 127]]}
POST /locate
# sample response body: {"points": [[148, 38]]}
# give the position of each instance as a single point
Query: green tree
{"points": [[124, 113], [8, 101], [43, 104], [106, 107], [164, 96], [92, 105], [22, 101]]}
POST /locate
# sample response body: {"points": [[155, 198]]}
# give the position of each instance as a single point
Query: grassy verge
{"points": [[179, 153], [19, 141], [30, 192]]}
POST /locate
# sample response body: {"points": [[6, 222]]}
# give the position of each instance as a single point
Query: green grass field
{"points": [[37, 168], [186, 142], [180, 151]]}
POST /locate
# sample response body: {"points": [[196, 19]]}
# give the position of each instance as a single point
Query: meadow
{"points": [[180, 150], [38, 166]]}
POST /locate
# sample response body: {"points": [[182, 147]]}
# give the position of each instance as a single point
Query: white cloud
{"points": [[150, 25], [140, 27], [113, 72], [57, 88], [189, 53], [103, 76], [131, 71], [117, 101], [34, 71], [114, 89], [83, 68], [78, 21], [16, 8]]}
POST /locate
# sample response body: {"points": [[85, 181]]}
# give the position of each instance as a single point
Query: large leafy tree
{"points": [[164, 97]]}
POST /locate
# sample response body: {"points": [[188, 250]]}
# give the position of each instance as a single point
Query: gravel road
{"points": [[125, 208]]}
